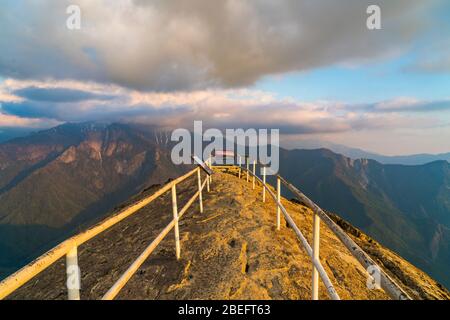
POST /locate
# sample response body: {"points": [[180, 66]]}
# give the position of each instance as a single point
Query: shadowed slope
{"points": [[405, 208], [57, 181]]}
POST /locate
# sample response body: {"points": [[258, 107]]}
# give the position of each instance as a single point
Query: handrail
{"points": [[126, 276], [69, 246], [323, 274], [22, 276], [392, 289], [386, 283]]}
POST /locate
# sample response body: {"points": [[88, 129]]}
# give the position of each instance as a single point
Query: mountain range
{"points": [[55, 182], [356, 153], [406, 208]]}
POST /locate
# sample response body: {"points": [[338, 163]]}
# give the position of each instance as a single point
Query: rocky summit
{"points": [[230, 251]]}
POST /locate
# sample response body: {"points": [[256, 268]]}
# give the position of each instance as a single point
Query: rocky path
{"points": [[231, 251]]}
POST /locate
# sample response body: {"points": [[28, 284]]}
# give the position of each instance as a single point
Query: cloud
{"points": [[218, 108], [408, 104], [59, 95], [399, 104], [433, 58], [179, 45], [432, 55], [13, 121]]}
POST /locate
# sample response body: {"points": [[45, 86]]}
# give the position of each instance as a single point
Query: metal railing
{"points": [[69, 247], [393, 290], [312, 253]]}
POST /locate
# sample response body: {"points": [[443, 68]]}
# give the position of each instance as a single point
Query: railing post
{"points": [[254, 173], [200, 198], [175, 218], [208, 163], [73, 274], [248, 166], [279, 201], [210, 177], [239, 162], [264, 182], [316, 246]]}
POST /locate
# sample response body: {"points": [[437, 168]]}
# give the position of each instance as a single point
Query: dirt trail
{"points": [[231, 251]]}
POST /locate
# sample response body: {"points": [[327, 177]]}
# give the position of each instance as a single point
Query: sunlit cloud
{"points": [[222, 108], [12, 121]]}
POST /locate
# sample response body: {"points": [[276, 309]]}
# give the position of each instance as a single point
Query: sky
{"points": [[310, 68]]}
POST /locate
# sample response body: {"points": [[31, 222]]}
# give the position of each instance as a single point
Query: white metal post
{"points": [[73, 274], [200, 198], [208, 177], [248, 166], [264, 181], [240, 162], [254, 173], [279, 201], [316, 245], [175, 218]]}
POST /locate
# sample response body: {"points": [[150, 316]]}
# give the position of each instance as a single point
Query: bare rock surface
{"points": [[231, 251]]}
